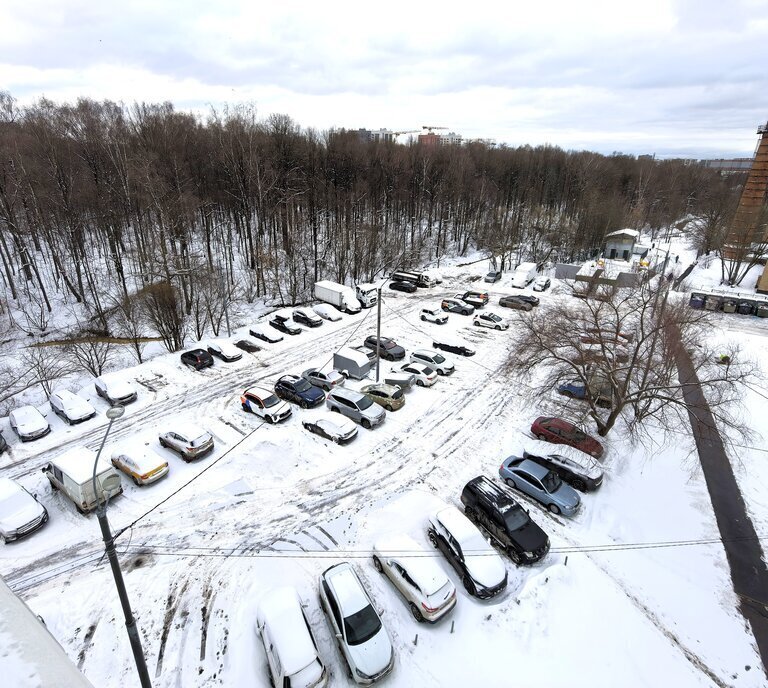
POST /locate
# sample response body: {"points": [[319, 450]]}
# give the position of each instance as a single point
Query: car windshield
{"points": [[494, 317], [364, 403], [551, 482], [437, 358], [515, 517], [361, 626], [388, 344], [301, 385], [398, 394], [270, 401]]}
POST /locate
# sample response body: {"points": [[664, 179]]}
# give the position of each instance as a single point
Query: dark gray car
{"points": [[388, 348]]}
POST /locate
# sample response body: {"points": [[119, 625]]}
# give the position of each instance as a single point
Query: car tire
{"points": [[498, 328], [469, 586], [246, 408], [476, 324], [135, 481], [163, 443], [334, 409], [567, 393], [416, 612], [541, 437], [303, 404], [465, 312], [554, 509], [579, 485], [514, 555], [432, 535], [510, 482], [440, 372], [469, 512], [420, 383], [269, 419], [423, 319], [389, 407], [366, 423], [377, 564]]}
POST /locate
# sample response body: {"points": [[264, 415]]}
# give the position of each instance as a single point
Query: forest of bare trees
{"points": [[122, 211]]}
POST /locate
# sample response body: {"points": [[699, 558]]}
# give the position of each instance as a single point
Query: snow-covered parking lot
{"points": [[634, 592]]}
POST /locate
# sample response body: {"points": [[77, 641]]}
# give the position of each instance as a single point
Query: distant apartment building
{"points": [[367, 135], [432, 140], [729, 165]]}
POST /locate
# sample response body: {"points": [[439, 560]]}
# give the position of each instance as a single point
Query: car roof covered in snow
{"points": [[281, 610], [341, 423], [27, 414], [461, 527], [143, 457], [347, 586], [424, 570], [78, 464]]}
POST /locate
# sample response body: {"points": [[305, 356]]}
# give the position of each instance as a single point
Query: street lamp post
{"points": [[109, 545]]}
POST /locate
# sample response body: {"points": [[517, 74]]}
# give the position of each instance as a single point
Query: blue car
{"points": [[574, 390], [299, 391], [541, 484]]}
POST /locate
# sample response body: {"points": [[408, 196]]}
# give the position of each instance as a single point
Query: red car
{"points": [[559, 431]]}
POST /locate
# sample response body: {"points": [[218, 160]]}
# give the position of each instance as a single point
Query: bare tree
{"points": [[165, 313], [621, 347], [91, 355], [46, 365], [131, 323]]}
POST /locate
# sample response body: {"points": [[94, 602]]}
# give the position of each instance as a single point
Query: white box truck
{"points": [[524, 274], [72, 474], [367, 295], [337, 295]]}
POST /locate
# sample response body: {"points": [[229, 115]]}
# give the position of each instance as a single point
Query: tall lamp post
{"points": [[109, 545]]}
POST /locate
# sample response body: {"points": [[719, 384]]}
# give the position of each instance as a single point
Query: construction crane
{"points": [[429, 129], [412, 131]]}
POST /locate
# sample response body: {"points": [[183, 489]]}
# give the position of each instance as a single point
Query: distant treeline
{"points": [[101, 200]]}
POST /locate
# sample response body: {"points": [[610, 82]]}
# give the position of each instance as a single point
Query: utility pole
{"points": [[378, 332]]}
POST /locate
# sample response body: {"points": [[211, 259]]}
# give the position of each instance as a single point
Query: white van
{"points": [[72, 474], [288, 642], [525, 273]]}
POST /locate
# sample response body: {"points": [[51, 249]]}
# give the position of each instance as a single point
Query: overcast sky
{"points": [[672, 77]]}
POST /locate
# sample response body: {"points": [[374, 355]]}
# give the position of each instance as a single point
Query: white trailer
{"points": [[72, 474], [354, 361], [338, 295], [524, 274]]}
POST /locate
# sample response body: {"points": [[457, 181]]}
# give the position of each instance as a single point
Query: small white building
{"points": [[620, 245]]}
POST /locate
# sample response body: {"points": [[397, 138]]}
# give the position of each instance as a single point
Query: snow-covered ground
{"points": [[619, 601]]}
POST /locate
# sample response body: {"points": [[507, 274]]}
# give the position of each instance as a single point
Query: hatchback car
{"points": [[333, 427], [453, 348], [223, 350], [355, 624], [261, 332], [426, 589], [584, 476], [114, 390], [559, 431], [288, 642], [20, 512], [356, 406], [457, 306], [490, 320], [327, 312], [408, 287], [187, 441], [477, 298], [71, 408], [541, 484], [389, 349], [576, 390], [482, 570], [433, 359], [493, 508], [515, 302], [425, 375], [435, 315], [28, 423], [285, 324], [197, 359], [299, 391], [390, 397], [492, 277], [528, 298], [326, 381], [306, 316], [247, 345], [143, 467], [264, 404], [541, 283]]}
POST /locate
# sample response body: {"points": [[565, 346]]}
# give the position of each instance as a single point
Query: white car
{"points": [[265, 404], [28, 423], [433, 359], [188, 441], [424, 375], [288, 642], [327, 312], [419, 579], [355, 624], [481, 569], [332, 426], [70, 407], [143, 467], [434, 314], [266, 334], [115, 391], [541, 283], [224, 350], [490, 319], [20, 512]]}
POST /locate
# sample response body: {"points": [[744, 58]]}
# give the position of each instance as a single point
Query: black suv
{"points": [[285, 324], [388, 348], [459, 349], [197, 359], [493, 508], [408, 287]]}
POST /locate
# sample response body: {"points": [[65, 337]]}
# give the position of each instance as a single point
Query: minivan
{"points": [[72, 475], [356, 406], [288, 642]]}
